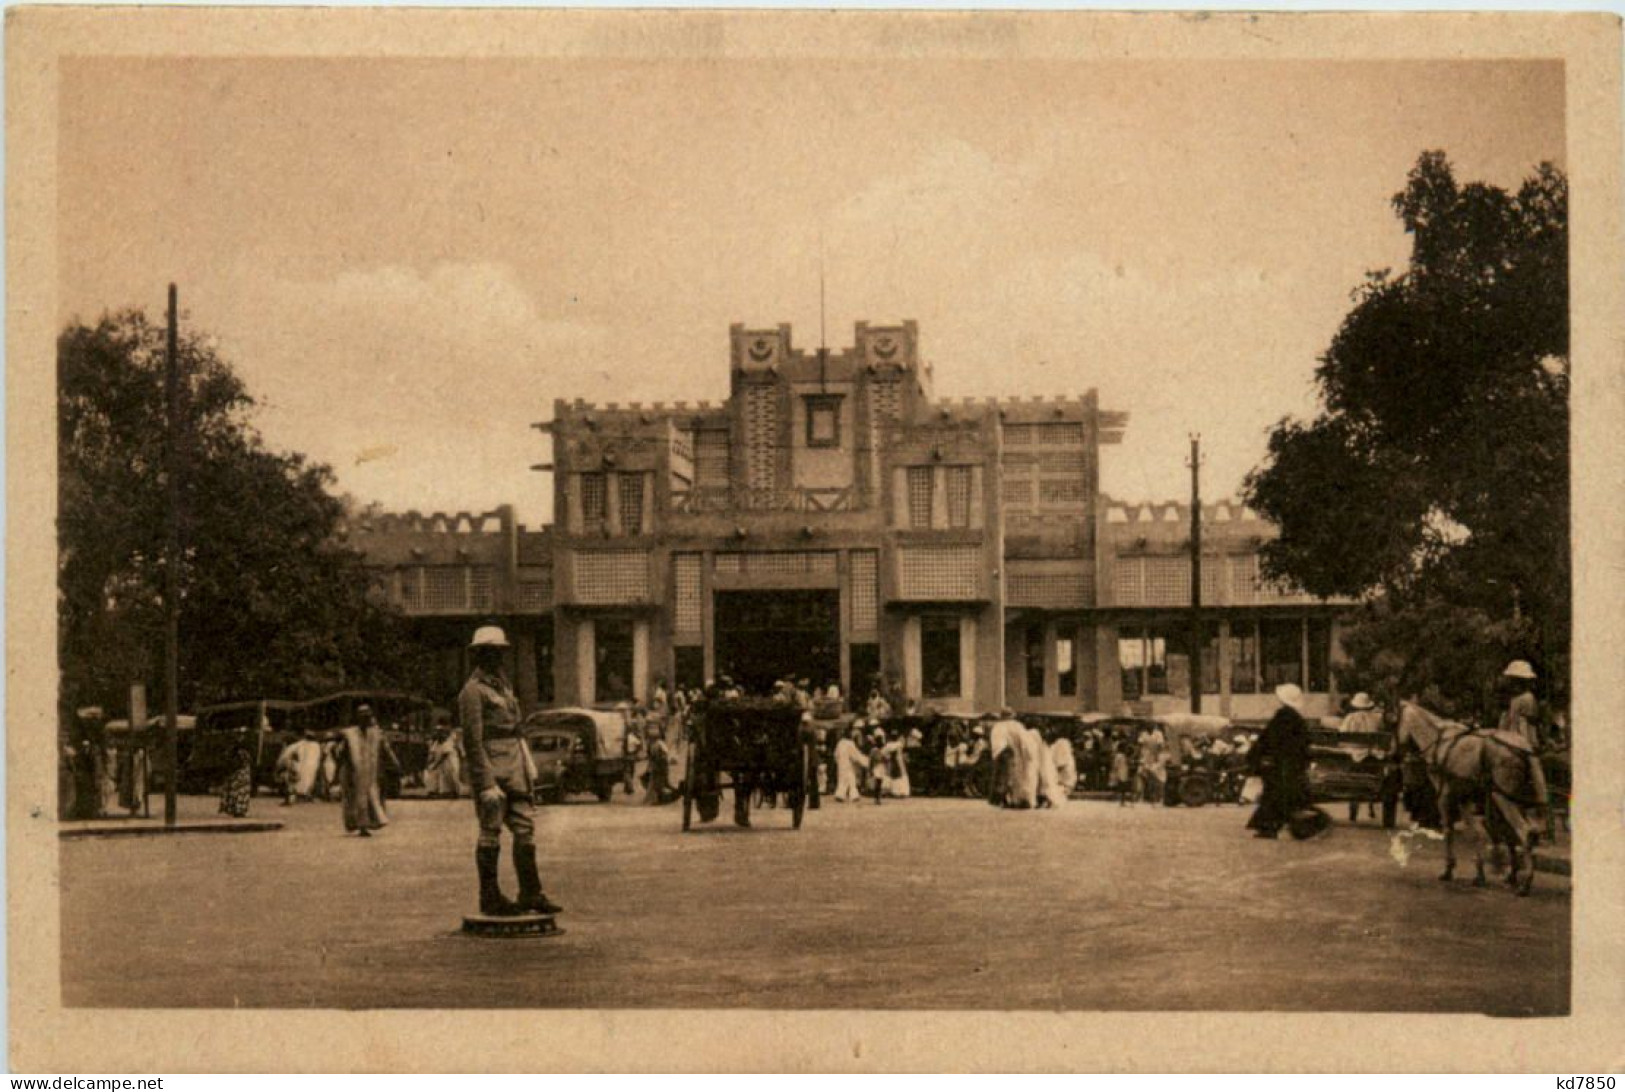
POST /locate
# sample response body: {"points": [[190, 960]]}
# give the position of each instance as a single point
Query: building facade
{"points": [[833, 520]]}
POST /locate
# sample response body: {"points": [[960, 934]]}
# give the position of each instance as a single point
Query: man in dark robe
{"points": [[1281, 759]]}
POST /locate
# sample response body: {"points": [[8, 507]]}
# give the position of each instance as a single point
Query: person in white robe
{"points": [[896, 752], [1066, 765], [297, 768], [443, 775], [1050, 794], [849, 766], [1015, 763]]}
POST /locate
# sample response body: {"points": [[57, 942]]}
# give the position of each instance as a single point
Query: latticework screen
{"points": [[959, 499], [865, 592], [686, 619], [611, 577], [445, 587], [710, 458], [481, 590], [940, 572], [1243, 578], [631, 498], [535, 591], [919, 497], [593, 499], [1056, 591], [1045, 466], [1128, 582], [761, 437], [1167, 581]]}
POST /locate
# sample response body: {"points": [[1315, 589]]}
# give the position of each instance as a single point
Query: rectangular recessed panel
{"points": [[919, 497], [1060, 491], [1128, 582], [615, 576], [482, 595], [1054, 591], [631, 487], [686, 579], [959, 499], [865, 592], [710, 458], [1167, 581], [940, 572], [1061, 461], [761, 437], [1019, 435], [535, 589]]}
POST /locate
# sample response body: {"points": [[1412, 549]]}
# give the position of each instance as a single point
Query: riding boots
{"points": [[531, 899], [492, 901]]}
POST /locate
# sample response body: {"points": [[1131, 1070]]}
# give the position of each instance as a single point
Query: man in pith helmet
{"points": [[502, 775]]}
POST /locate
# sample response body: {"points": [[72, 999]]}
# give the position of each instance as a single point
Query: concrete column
{"points": [[524, 656], [977, 517], [1052, 664], [586, 661], [912, 671], [1108, 672], [575, 520], [612, 502], [967, 659], [640, 660], [1226, 661], [707, 619]]}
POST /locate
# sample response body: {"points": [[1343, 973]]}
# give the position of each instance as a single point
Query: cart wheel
{"points": [[799, 799], [1195, 790]]}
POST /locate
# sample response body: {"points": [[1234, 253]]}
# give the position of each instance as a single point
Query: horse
{"points": [[1494, 769]]}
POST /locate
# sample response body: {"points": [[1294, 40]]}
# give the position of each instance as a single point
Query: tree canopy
{"points": [[1436, 475], [271, 604]]}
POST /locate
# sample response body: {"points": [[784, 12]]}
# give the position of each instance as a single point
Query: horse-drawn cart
{"points": [[746, 746]]}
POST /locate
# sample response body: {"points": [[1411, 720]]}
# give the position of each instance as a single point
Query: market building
{"points": [[834, 520]]}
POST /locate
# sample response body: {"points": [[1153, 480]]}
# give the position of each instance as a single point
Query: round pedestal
{"points": [[510, 928]]}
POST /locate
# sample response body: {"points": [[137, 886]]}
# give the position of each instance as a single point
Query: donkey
{"points": [[1495, 770]]}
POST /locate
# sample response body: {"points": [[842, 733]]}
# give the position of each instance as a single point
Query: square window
{"points": [[823, 420]]}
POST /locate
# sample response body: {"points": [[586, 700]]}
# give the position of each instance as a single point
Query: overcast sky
{"points": [[409, 260]]}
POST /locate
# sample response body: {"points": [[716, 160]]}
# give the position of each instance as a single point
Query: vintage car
{"points": [[263, 726], [1358, 767], [577, 750]]}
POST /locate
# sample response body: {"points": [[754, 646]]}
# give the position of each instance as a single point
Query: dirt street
{"points": [[912, 904]]}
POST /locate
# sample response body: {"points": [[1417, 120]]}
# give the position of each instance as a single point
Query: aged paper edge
{"points": [[44, 1035]]}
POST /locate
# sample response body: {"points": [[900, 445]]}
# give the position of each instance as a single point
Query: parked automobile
{"points": [[577, 750], [264, 726]]}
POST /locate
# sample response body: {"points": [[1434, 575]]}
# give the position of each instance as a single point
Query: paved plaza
{"points": [[943, 904]]}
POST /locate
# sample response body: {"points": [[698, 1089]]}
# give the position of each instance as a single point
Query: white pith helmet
{"points": [[1519, 669], [489, 637]]}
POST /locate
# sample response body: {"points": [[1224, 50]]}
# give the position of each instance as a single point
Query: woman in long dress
{"points": [[239, 787], [359, 751], [897, 783]]}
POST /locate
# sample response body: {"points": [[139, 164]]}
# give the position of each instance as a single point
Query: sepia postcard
{"points": [[814, 541]]}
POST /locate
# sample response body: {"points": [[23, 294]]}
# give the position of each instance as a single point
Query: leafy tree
{"points": [[270, 603], [1436, 475]]}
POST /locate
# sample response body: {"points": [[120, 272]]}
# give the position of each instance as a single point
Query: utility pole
{"points": [[1196, 572], [172, 577]]}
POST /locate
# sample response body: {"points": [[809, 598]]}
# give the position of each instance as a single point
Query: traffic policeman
{"points": [[502, 775]]}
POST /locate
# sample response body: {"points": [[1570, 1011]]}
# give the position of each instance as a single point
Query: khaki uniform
{"points": [[497, 758]]}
